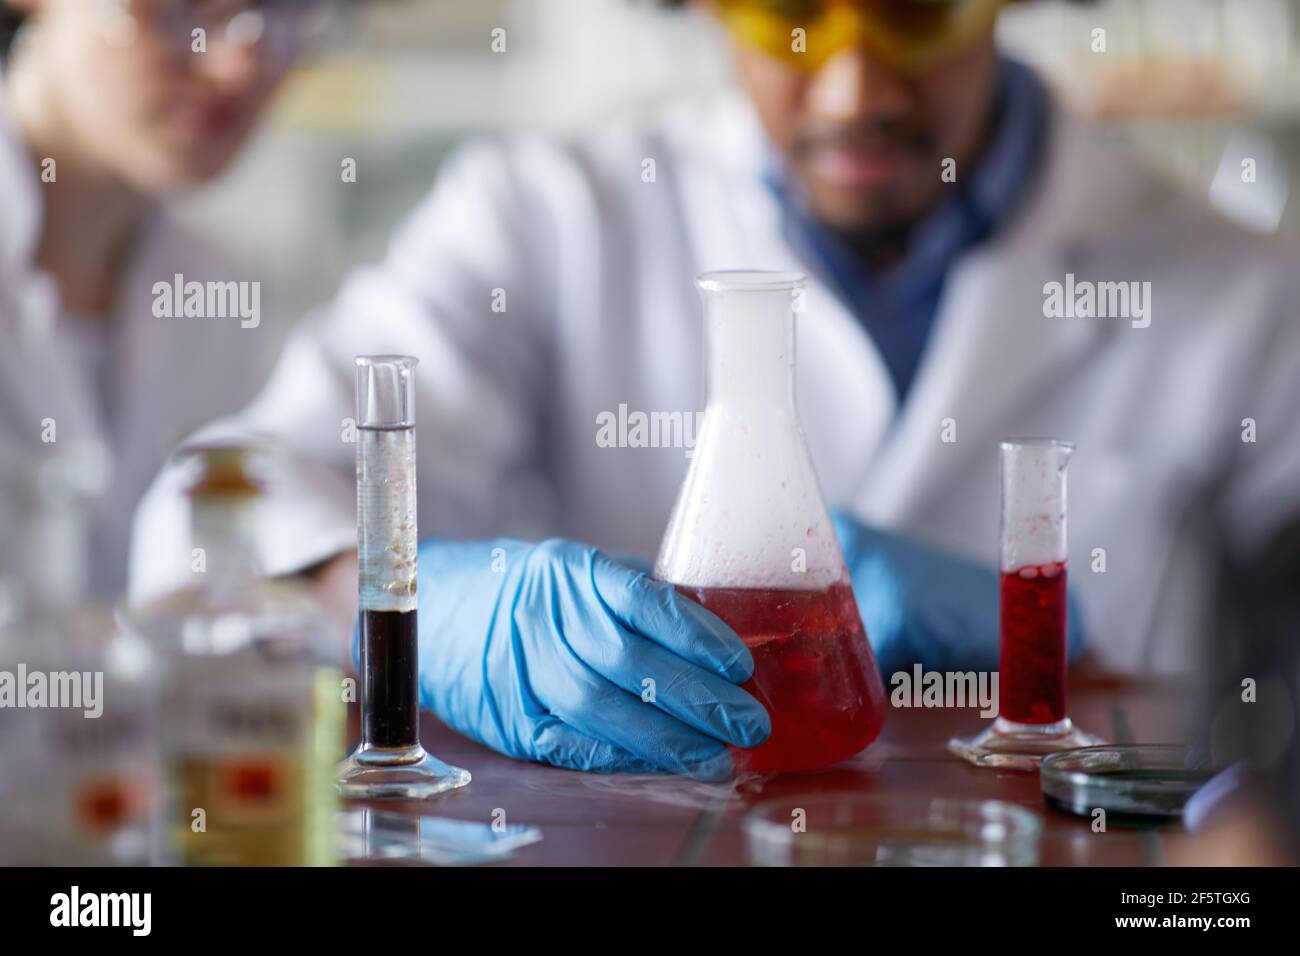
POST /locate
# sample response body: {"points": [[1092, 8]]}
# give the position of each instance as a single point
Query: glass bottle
{"points": [[253, 704], [78, 757], [750, 538]]}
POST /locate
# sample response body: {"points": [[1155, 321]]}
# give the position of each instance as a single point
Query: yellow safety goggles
{"points": [[905, 34]]}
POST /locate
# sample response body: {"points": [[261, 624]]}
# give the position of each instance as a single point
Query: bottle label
{"points": [[239, 736], [79, 790]]}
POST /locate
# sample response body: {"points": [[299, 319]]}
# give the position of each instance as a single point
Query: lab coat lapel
{"points": [[37, 383], [152, 350], [20, 225]]}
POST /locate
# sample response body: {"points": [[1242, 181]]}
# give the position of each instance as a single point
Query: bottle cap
{"points": [[224, 471]]}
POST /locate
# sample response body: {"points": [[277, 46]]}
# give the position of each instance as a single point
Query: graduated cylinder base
{"points": [[405, 773], [1020, 746]]}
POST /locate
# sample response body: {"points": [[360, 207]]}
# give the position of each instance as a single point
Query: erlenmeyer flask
{"points": [[750, 538]]}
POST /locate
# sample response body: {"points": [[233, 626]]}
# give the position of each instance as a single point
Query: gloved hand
{"points": [[922, 605], [545, 651]]}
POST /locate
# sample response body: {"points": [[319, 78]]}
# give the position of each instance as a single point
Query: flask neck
{"points": [[751, 349], [750, 513], [44, 560], [52, 578], [223, 528]]}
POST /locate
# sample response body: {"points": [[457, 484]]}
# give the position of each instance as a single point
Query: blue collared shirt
{"points": [[897, 306]]}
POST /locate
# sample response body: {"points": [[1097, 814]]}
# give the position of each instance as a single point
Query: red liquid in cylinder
{"points": [[813, 671], [1032, 682]]}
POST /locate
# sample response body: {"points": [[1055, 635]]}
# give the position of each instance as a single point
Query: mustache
{"points": [[871, 134]]}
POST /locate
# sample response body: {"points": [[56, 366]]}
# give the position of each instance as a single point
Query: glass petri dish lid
{"points": [[854, 829], [1144, 782]]}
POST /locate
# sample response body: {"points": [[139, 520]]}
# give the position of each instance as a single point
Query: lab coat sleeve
{"points": [[1261, 495], [464, 289]]}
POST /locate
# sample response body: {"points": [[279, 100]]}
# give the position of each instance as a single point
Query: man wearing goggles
{"points": [[934, 195], [866, 100]]}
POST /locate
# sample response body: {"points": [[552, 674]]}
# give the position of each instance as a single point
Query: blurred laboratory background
{"points": [[1194, 86]]}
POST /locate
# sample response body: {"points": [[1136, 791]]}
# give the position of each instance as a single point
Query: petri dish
{"points": [[895, 830], [1144, 782]]}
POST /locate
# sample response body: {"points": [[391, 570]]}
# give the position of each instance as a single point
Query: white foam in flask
{"points": [[750, 514], [750, 538]]}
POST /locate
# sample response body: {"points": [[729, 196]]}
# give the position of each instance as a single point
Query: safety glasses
{"points": [[905, 34], [279, 29]]}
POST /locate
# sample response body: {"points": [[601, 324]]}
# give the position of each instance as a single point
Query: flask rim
{"points": [[1011, 444], [749, 280]]}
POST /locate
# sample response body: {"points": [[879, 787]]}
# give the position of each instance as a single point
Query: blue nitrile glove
{"points": [[922, 605], [543, 651]]}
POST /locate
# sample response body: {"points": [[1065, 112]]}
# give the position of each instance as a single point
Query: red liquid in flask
{"points": [[813, 671], [1032, 682]]}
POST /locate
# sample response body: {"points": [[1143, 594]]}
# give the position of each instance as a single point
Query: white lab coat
{"points": [[134, 386], [596, 265]]}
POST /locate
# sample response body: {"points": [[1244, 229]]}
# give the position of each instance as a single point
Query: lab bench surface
{"points": [[610, 820]]}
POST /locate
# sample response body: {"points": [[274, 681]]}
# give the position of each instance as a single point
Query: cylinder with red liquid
{"points": [[1032, 717], [1032, 679]]}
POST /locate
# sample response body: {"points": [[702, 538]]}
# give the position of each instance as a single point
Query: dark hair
{"points": [[10, 21]]}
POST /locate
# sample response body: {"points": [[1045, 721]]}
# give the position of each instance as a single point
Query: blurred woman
{"points": [[107, 107]]}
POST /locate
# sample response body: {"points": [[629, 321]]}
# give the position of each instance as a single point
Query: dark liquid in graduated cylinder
{"points": [[813, 671], [1032, 682], [390, 665]]}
